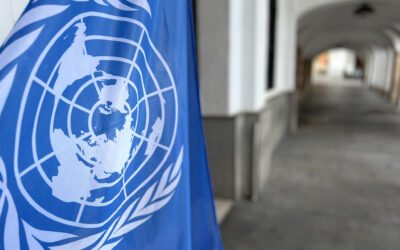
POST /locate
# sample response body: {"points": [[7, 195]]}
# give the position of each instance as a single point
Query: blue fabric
{"points": [[101, 138]]}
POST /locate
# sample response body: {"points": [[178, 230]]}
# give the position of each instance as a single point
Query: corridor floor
{"points": [[334, 185]]}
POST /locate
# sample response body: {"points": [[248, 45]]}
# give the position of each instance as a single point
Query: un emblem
{"points": [[99, 116]]}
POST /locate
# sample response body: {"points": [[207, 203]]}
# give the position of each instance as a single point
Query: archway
{"points": [[337, 66]]}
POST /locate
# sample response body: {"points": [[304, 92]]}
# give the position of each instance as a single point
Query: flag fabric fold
{"points": [[101, 138]]}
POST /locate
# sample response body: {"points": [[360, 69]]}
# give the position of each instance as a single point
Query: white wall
{"points": [[369, 63], [10, 10], [303, 6], [390, 62], [379, 68], [339, 60], [212, 46], [232, 46], [286, 46], [247, 55]]}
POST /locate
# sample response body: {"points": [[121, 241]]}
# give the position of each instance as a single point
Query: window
{"points": [[271, 45]]}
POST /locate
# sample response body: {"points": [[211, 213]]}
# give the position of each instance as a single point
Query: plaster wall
{"points": [[286, 45], [380, 68], [232, 48], [340, 61], [390, 63], [247, 55], [240, 147], [212, 44], [369, 63], [303, 6]]}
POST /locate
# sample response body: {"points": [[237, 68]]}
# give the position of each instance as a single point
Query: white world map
{"points": [[110, 148]]}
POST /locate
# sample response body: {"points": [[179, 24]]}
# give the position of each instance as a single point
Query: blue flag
{"points": [[101, 142]]}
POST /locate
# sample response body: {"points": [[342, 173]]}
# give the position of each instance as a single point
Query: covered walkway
{"points": [[334, 184]]}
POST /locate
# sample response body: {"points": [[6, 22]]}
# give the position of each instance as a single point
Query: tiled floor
{"points": [[223, 206], [335, 185]]}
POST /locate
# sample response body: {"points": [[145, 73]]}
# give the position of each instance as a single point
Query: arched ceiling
{"points": [[337, 25]]}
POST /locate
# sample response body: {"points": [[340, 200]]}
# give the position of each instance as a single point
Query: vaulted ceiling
{"points": [[354, 24]]}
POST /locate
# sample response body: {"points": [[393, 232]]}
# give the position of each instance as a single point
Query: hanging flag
{"points": [[101, 142]]}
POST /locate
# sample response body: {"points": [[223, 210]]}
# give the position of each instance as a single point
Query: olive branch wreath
{"points": [[154, 198], [138, 212]]}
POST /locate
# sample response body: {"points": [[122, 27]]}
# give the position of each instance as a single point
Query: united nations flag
{"points": [[101, 143]]}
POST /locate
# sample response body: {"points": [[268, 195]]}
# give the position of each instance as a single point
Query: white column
{"points": [[247, 55], [232, 46], [285, 54], [390, 57]]}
